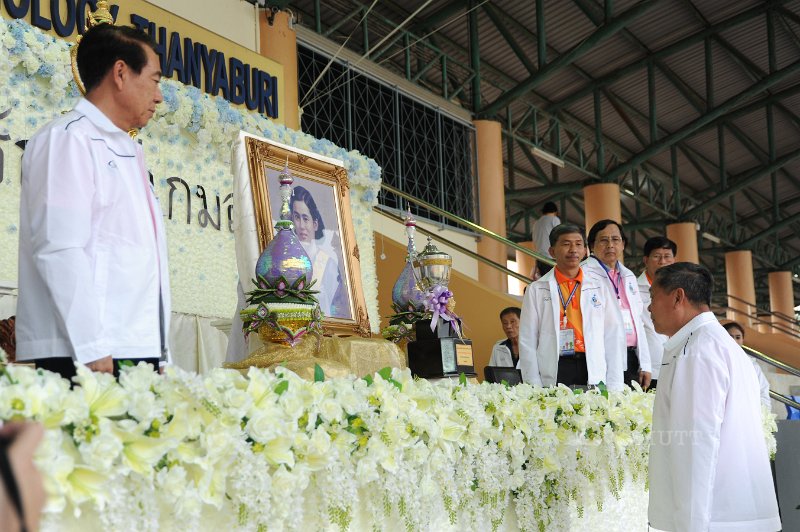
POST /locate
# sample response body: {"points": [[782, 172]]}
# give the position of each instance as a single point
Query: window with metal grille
{"points": [[422, 151]]}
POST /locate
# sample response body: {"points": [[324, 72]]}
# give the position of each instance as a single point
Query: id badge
{"points": [[566, 342], [627, 320]]}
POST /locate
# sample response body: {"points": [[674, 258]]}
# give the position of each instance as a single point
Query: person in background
{"points": [[506, 352], [626, 333], [540, 234], [709, 464], [93, 268], [737, 333], [564, 317], [659, 251]]}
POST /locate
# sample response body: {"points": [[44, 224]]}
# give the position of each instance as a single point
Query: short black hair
{"points": [[565, 229], [695, 280], [301, 194], [659, 242], [511, 310], [599, 226], [103, 45], [734, 325], [549, 207]]}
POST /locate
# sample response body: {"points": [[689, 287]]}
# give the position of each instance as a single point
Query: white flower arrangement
{"points": [[271, 449], [190, 137]]}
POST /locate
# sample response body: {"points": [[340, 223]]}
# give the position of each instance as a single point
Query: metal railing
{"points": [[471, 226]]}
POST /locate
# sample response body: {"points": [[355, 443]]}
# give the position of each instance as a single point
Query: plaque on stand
{"points": [[439, 353]]}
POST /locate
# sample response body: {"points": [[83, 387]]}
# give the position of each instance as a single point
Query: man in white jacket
{"points": [[564, 315], [709, 467], [93, 276], [659, 251], [627, 339]]}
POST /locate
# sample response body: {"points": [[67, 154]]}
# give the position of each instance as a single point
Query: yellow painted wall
{"points": [[478, 306]]}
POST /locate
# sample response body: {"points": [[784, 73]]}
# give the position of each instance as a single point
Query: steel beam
{"points": [[569, 57], [553, 188], [678, 46], [496, 19], [722, 112], [744, 181], [475, 57], [541, 36]]}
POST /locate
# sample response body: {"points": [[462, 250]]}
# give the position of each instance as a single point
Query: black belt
{"points": [[578, 355], [632, 351]]}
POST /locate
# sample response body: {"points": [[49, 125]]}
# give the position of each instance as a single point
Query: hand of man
{"points": [[102, 365], [644, 379]]}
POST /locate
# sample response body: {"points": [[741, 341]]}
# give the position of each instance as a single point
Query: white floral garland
{"points": [[273, 450], [190, 137]]}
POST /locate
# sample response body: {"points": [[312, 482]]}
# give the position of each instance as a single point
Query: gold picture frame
{"points": [[330, 236]]}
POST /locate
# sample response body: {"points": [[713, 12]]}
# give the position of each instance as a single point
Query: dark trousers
{"points": [[572, 370], [632, 373], [66, 366]]}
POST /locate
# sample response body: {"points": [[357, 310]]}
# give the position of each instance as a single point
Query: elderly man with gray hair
{"points": [[709, 467]]}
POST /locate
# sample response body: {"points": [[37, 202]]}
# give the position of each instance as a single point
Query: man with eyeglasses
{"points": [[626, 334], [659, 251]]}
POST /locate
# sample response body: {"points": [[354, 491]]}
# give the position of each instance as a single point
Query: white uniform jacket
{"points": [[93, 276], [617, 327], [501, 355], [655, 341], [539, 326], [709, 468]]}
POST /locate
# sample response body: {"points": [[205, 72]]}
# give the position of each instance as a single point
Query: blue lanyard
{"points": [[565, 304], [607, 270]]}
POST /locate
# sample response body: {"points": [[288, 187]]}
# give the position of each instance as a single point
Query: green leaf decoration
{"points": [[282, 387], [603, 389], [368, 379], [319, 375], [125, 363], [386, 373], [462, 379], [396, 384]]}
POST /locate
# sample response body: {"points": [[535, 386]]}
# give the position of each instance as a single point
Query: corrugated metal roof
{"points": [[740, 58]]}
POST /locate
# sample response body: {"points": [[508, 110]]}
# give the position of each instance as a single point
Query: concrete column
{"points": [[279, 42], [525, 263], [781, 299], [491, 191], [685, 235], [601, 202], [739, 276]]}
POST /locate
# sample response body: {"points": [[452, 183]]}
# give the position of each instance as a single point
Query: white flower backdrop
{"points": [[273, 451], [188, 151]]}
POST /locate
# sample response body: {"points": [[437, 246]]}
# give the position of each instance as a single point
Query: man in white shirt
{"points": [[540, 234], [93, 276], [709, 467], [659, 251], [607, 242], [736, 331], [564, 318]]}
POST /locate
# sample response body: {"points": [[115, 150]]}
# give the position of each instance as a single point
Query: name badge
{"points": [[627, 320], [566, 342]]}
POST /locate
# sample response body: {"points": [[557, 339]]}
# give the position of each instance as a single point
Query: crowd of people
{"points": [[591, 320]]}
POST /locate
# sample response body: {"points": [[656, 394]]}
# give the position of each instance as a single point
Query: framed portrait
{"points": [[320, 210]]}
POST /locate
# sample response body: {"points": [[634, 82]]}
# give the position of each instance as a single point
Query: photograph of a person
{"points": [[317, 226]]}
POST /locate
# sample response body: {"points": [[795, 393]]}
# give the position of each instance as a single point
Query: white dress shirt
{"points": [[709, 468], [93, 276], [655, 341]]}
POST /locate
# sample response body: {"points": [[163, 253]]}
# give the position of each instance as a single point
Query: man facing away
{"points": [[540, 233], [709, 468], [659, 251], [607, 242], [93, 277], [564, 315]]}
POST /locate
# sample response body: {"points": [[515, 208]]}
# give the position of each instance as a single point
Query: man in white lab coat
{"points": [[93, 276], [659, 251], [709, 468], [564, 315], [627, 338]]}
